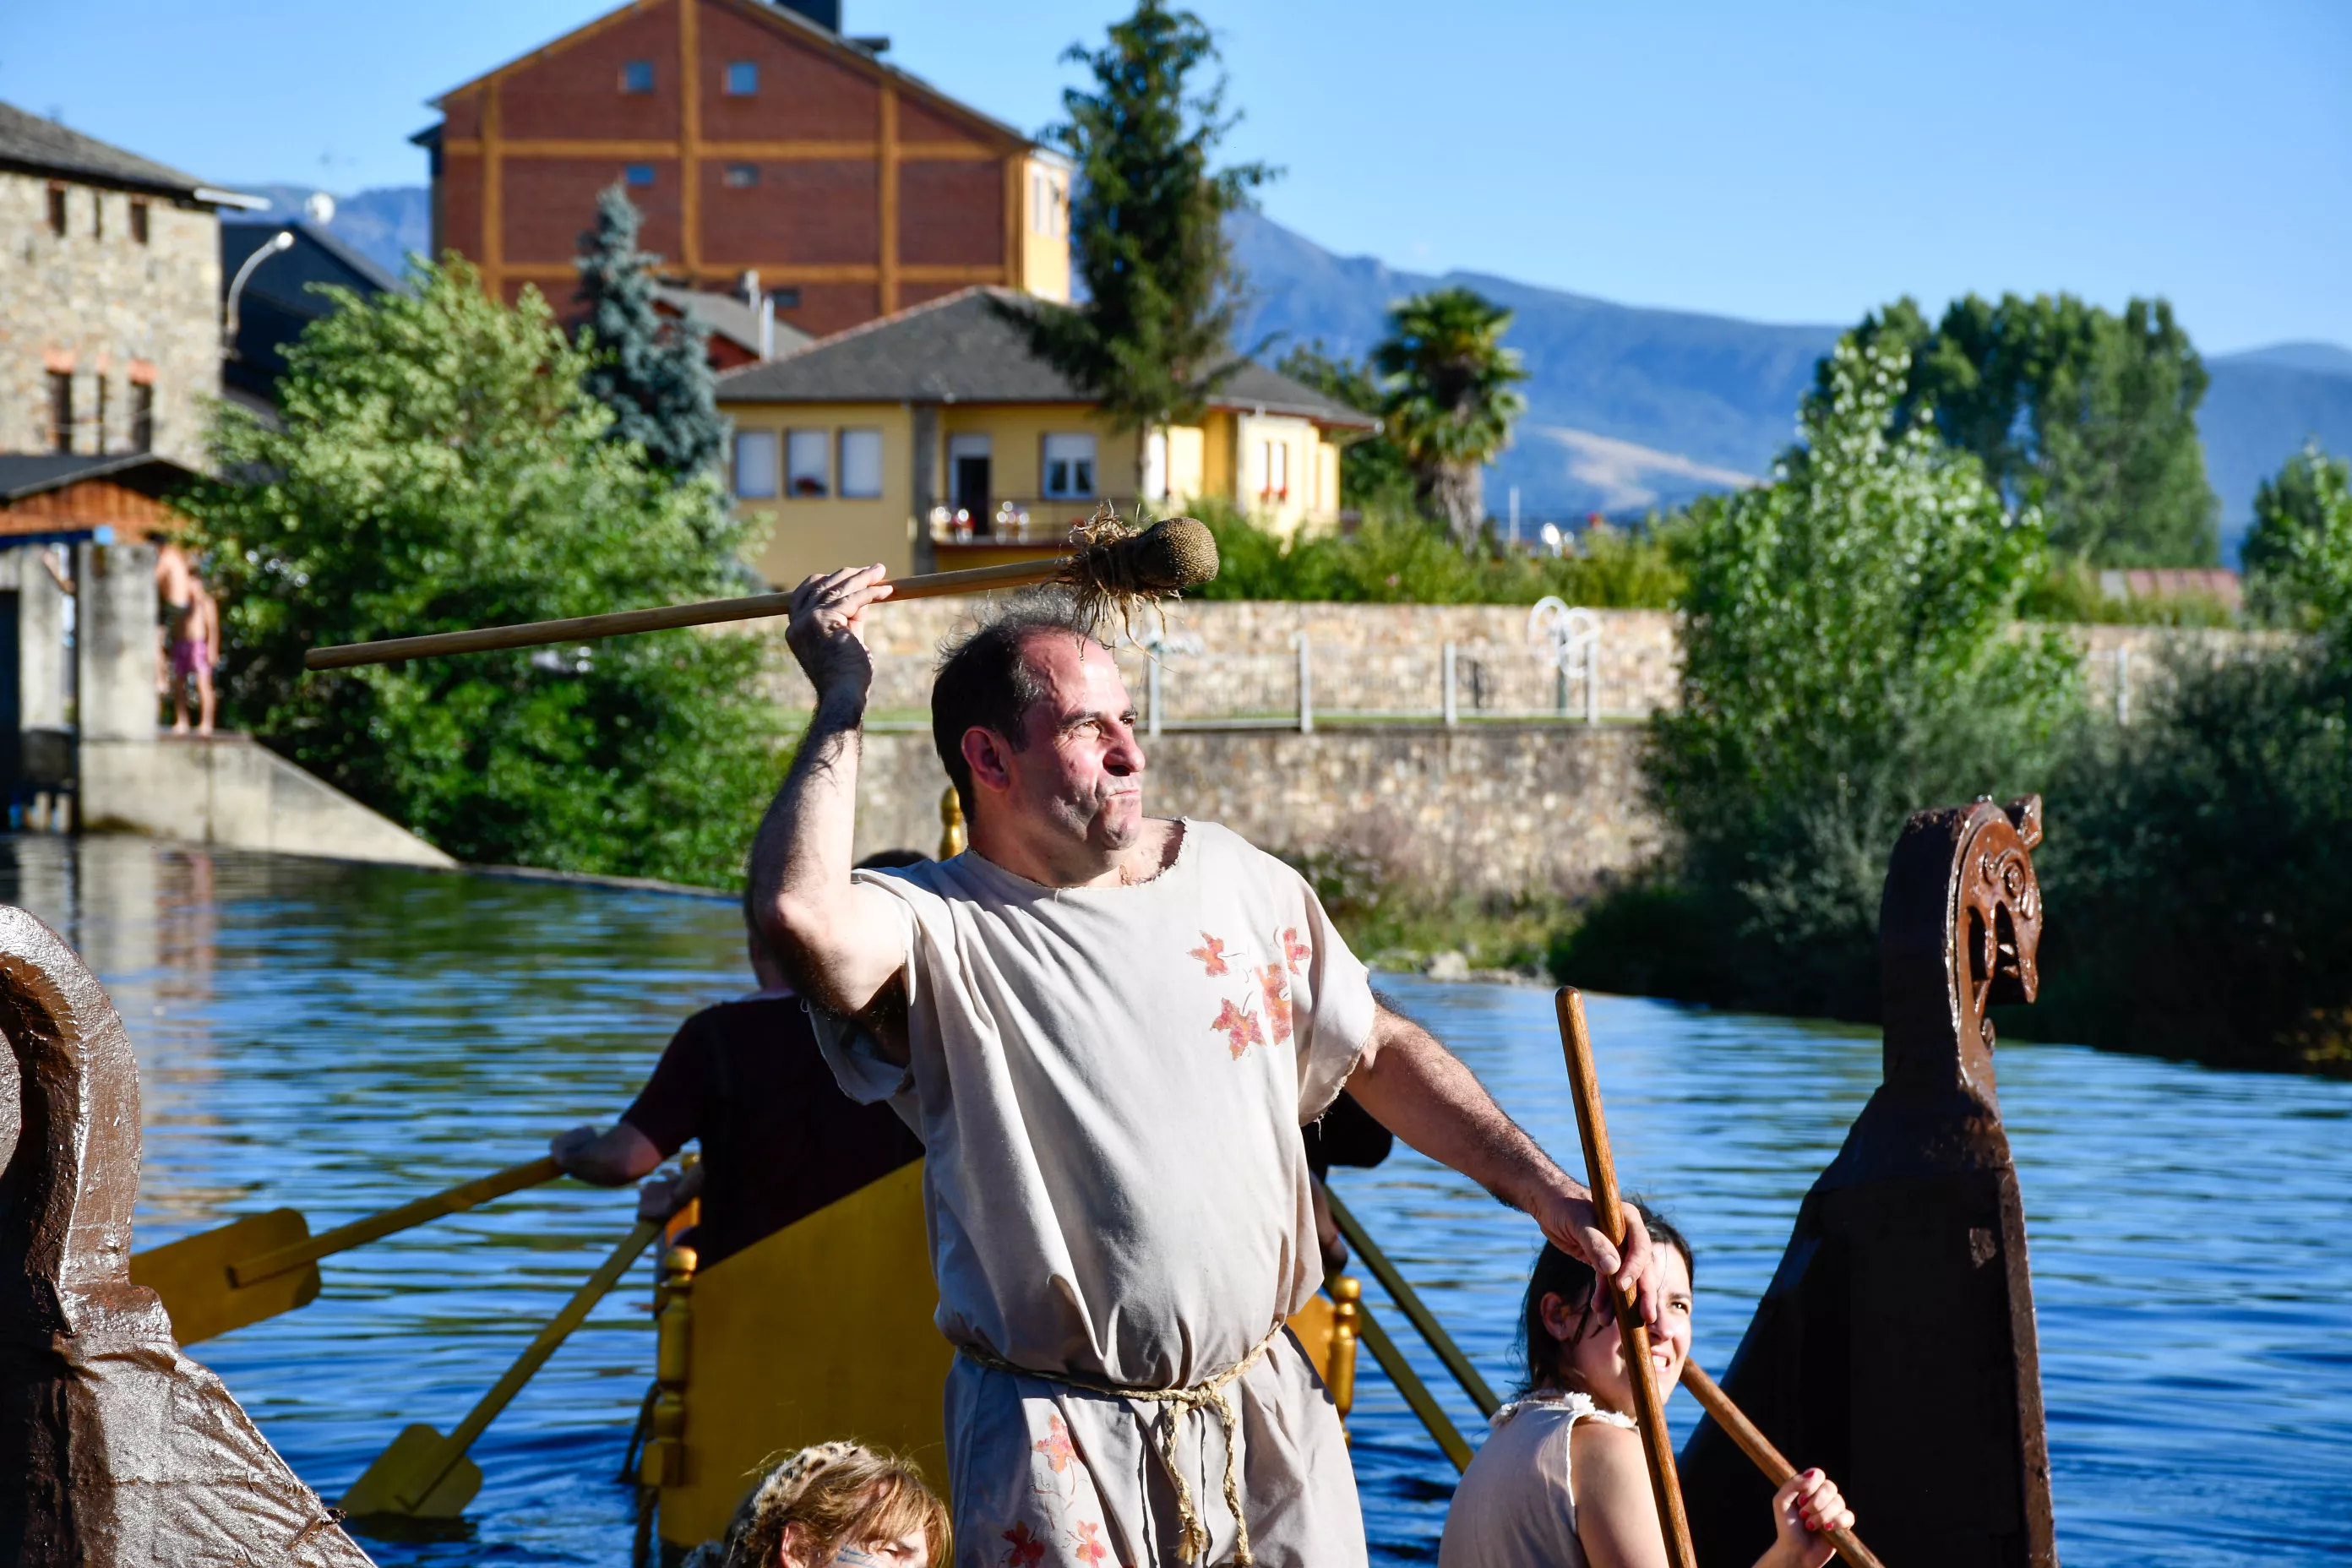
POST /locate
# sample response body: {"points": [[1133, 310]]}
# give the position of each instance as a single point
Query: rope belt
{"points": [[1206, 1396]]}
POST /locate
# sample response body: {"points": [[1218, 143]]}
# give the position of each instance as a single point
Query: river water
{"points": [[340, 1038]]}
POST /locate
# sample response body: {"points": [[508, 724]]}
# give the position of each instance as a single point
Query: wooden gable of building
{"points": [[850, 188]]}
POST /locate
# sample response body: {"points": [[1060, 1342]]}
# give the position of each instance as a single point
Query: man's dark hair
{"points": [[983, 679]]}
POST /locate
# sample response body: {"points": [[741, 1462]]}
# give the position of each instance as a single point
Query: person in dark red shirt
{"points": [[780, 1141]]}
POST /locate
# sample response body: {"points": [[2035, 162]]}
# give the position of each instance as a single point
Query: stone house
{"points": [[769, 153], [936, 439], [109, 310]]}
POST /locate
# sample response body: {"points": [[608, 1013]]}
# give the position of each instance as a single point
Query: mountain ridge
{"points": [[1629, 407]]}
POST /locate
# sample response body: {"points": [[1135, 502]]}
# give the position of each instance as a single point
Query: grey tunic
{"points": [[1108, 1083]]}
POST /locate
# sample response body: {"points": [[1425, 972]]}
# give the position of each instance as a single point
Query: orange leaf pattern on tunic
{"points": [[1057, 1447], [1090, 1547], [1295, 952], [1026, 1549], [1275, 983], [1241, 1028], [1212, 955]]}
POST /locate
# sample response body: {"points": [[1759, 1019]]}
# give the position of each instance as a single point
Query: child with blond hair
{"points": [[839, 1505]]}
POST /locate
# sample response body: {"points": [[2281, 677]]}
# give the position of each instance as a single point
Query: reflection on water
{"points": [[340, 1037]]}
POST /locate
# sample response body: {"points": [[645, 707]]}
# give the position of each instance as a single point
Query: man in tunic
{"points": [[1107, 1029]]}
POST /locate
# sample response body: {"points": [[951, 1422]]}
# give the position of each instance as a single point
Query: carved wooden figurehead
{"points": [[115, 1448], [1895, 1345], [1958, 927]]}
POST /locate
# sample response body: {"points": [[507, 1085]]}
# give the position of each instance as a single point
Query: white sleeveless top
{"points": [[1516, 1507]]}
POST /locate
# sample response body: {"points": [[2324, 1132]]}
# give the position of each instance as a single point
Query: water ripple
{"points": [[342, 1037]]}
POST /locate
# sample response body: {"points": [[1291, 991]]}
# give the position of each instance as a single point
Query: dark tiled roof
{"points": [[22, 476], [43, 146], [318, 256], [730, 317], [962, 349]]}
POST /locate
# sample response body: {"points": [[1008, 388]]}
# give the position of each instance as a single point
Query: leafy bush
{"points": [[440, 465], [2198, 872], [2199, 865], [2070, 593], [1847, 659], [1403, 560], [2299, 553]]}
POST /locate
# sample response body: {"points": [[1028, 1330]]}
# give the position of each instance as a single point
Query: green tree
{"points": [[2299, 552], [2198, 873], [1373, 474], [653, 373], [2200, 894], [1847, 658], [1450, 404], [1153, 340], [439, 465], [2089, 415]]}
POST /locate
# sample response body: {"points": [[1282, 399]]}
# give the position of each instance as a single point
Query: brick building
{"points": [[110, 314], [756, 139]]}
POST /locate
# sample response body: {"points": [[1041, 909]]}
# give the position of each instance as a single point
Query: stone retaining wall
{"points": [[1488, 808], [1226, 660], [1494, 804]]}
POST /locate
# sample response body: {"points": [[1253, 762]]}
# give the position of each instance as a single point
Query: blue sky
{"points": [[1792, 162]]}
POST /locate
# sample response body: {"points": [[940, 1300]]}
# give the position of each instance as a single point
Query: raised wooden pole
{"points": [[1768, 1458], [1600, 1175]]}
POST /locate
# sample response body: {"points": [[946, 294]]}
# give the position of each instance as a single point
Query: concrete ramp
{"points": [[229, 791]]}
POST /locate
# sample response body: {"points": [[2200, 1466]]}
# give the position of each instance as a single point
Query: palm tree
{"points": [[1450, 405]]}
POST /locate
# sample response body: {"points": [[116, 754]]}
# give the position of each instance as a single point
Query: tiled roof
{"points": [[22, 476], [962, 349], [43, 146], [730, 317]]}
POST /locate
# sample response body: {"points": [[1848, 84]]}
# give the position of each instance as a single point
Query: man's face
{"points": [[1079, 776]]}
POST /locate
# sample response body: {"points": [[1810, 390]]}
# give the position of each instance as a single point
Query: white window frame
{"points": [[1155, 465], [800, 447], [847, 468], [755, 454], [1274, 469], [1077, 477]]}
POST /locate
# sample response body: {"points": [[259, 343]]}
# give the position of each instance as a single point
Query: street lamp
{"points": [[282, 240]]}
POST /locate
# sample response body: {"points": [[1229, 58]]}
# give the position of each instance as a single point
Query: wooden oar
{"points": [[1758, 1447], [1423, 1403], [266, 1264], [423, 1474], [1600, 1175], [1402, 1293], [1169, 556]]}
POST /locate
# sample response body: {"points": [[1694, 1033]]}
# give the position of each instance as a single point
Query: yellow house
{"points": [[935, 438]]}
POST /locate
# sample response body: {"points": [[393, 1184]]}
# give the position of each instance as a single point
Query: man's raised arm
{"points": [[841, 944], [1421, 1091]]}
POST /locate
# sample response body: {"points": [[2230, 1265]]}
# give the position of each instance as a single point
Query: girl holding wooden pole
{"points": [[1561, 1482]]}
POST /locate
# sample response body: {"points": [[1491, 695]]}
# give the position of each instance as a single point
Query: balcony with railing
{"points": [[1013, 528]]}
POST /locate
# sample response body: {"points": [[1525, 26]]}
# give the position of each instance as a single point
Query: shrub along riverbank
{"points": [[1849, 657]]}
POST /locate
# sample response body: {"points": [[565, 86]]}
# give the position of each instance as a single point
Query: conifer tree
{"points": [[1153, 340], [653, 373]]}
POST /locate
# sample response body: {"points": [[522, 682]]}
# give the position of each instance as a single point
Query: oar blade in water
{"points": [[405, 1471], [191, 1276]]}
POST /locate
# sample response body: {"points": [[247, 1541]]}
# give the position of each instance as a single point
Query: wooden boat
{"points": [[114, 1446]]}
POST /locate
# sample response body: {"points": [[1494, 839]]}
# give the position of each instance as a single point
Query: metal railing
{"points": [[1451, 684], [1020, 520]]}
